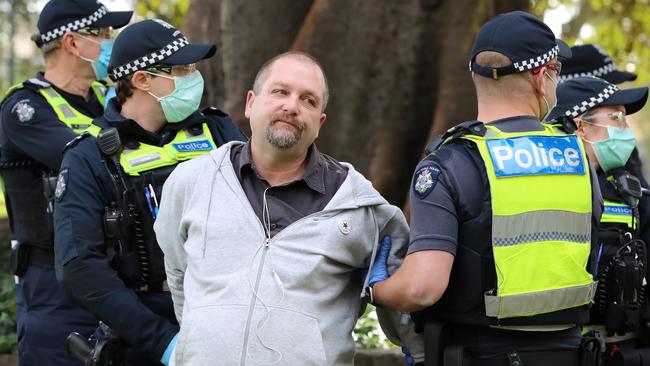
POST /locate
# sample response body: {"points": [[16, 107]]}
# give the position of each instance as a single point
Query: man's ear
{"points": [[250, 98], [141, 80], [539, 81], [68, 43], [580, 127]]}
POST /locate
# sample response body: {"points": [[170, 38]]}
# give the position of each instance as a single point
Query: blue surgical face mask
{"points": [[100, 66], [185, 98], [614, 151]]}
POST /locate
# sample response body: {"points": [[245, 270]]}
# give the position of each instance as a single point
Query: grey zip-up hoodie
{"points": [[244, 299]]}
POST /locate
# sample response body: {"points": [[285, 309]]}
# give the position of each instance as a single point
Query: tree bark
{"points": [[397, 71]]}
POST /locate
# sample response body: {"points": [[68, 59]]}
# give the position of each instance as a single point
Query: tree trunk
{"points": [[397, 70]]}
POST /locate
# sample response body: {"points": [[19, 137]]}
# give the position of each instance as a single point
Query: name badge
{"points": [[536, 155], [201, 145]]}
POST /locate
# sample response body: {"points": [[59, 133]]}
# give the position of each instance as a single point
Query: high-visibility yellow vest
{"points": [[74, 119], [541, 221], [145, 157]]}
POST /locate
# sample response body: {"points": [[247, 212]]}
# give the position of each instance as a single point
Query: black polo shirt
{"points": [[292, 201]]}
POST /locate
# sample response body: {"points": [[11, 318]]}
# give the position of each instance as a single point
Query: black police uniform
{"points": [[451, 210], [32, 138], [619, 257], [88, 265], [456, 217]]}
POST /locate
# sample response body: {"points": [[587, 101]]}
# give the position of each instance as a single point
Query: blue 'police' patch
{"points": [[424, 181], [618, 210], [536, 155], [201, 145], [61, 184]]}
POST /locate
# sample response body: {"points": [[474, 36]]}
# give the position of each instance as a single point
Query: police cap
{"points": [[581, 94], [153, 42], [592, 60], [524, 39], [61, 16]]}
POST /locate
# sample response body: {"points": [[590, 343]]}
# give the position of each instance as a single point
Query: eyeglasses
{"points": [[555, 66], [176, 69], [105, 32], [618, 116]]}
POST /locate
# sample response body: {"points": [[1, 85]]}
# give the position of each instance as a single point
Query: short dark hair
{"points": [[262, 73], [123, 90]]}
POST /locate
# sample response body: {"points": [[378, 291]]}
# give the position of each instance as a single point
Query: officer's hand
{"points": [[168, 351], [407, 356], [379, 270]]}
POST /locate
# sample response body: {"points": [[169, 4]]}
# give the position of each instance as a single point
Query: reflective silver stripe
{"points": [[51, 92], [67, 111], [535, 226], [541, 302], [144, 159], [39, 82]]}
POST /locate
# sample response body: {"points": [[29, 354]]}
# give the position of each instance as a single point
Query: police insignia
{"points": [[61, 184], [23, 110], [425, 179]]}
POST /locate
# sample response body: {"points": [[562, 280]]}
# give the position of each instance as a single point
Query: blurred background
{"points": [[397, 71]]}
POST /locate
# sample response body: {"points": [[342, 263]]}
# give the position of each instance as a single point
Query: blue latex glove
{"points": [[168, 351], [407, 356], [379, 270]]}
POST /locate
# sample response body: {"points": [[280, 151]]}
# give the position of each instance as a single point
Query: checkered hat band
{"points": [[150, 59], [603, 70], [592, 102], [538, 61], [76, 25]]}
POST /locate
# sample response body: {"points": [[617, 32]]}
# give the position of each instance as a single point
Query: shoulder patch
{"points": [[61, 184], [24, 111], [425, 180]]}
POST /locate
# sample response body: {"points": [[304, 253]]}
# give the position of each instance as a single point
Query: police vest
{"points": [[146, 168], [31, 213], [541, 234], [72, 118]]}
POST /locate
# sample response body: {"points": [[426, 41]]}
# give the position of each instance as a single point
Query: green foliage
{"points": [[621, 27], [7, 313], [171, 11], [367, 333]]}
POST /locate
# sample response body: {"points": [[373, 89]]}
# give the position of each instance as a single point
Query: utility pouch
{"points": [[19, 258]]}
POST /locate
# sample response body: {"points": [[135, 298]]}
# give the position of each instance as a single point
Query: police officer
{"points": [[619, 261], [593, 60], [498, 253], [110, 183], [38, 117]]}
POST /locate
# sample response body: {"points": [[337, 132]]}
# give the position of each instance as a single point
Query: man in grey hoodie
{"points": [[267, 243]]}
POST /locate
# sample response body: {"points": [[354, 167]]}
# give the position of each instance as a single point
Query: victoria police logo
{"points": [[61, 184], [23, 110], [536, 155], [201, 145], [425, 179]]}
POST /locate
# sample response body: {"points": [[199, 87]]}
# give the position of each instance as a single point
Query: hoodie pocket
{"points": [[211, 335], [285, 337], [216, 335]]}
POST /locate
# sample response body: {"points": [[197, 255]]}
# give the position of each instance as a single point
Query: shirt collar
{"points": [[518, 124], [314, 175]]}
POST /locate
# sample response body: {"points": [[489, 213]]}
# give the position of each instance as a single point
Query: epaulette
{"points": [[72, 143], [207, 111], [466, 128]]}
